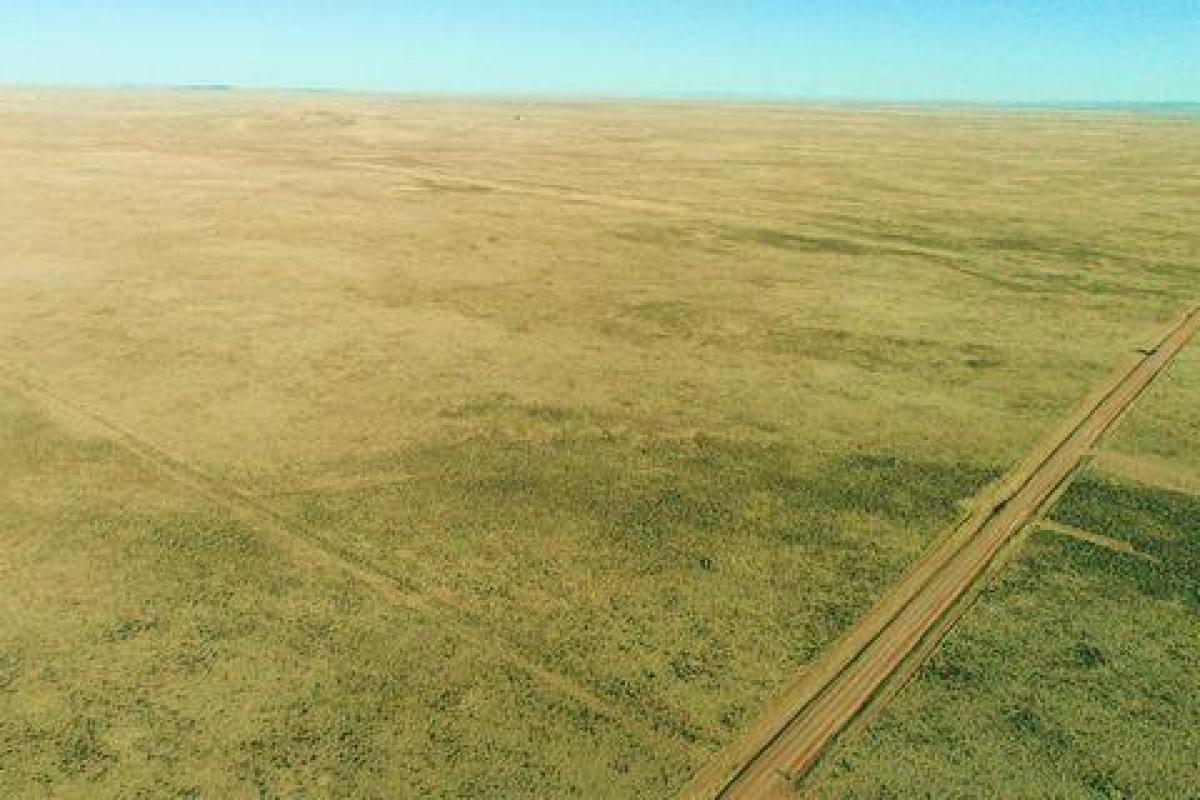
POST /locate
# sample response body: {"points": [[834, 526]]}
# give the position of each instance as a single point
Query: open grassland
{"points": [[154, 646], [643, 405], [1076, 675]]}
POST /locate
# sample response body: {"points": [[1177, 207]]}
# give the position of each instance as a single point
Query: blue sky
{"points": [[1017, 51]]}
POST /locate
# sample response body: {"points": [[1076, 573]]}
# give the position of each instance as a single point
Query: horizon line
{"points": [[616, 96]]}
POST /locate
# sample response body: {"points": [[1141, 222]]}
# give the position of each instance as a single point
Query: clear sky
{"points": [[970, 50]]}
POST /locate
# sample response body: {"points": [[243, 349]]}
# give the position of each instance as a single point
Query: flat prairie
{"points": [[379, 446]]}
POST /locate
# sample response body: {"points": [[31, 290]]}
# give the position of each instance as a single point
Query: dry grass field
{"points": [[363, 446]]}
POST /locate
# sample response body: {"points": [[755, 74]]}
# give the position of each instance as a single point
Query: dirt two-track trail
{"points": [[887, 645]]}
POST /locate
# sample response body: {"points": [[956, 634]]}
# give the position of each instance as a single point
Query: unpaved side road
{"points": [[920, 610]]}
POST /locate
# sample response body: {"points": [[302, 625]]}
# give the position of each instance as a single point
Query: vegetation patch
{"points": [[663, 542]]}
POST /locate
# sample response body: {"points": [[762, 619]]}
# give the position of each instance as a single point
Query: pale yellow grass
{"points": [[657, 396]]}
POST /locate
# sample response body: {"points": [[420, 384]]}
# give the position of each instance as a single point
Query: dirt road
{"points": [[906, 625]]}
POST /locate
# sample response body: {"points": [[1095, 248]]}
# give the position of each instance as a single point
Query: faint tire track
{"points": [[310, 546]]}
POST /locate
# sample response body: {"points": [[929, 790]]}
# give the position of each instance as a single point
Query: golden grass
{"points": [[660, 397]]}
